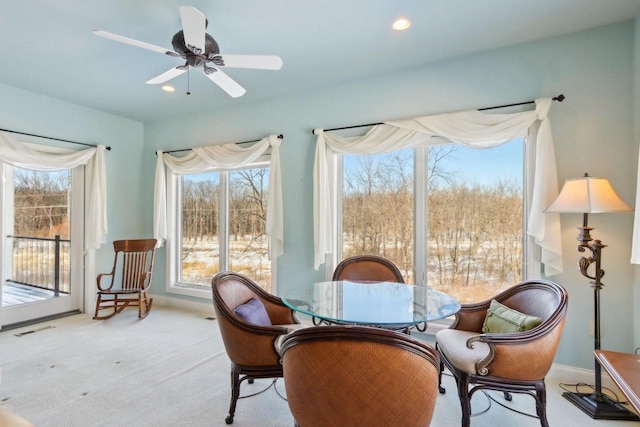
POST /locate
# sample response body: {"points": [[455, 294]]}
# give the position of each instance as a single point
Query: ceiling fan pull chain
{"points": [[188, 81]]}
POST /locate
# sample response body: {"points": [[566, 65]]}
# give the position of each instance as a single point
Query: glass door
{"points": [[41, 254]]}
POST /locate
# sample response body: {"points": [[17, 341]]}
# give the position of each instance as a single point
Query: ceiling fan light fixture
{"points": [[168, 88], [401, 24], [198, 49]]}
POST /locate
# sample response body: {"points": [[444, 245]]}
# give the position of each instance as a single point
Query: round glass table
{"points": [[382, 304]]}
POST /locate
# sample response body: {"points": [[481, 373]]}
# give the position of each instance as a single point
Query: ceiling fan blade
{"points": [[261, 62], [226, 83], [166, 76], [133, 42], [193, 26]]}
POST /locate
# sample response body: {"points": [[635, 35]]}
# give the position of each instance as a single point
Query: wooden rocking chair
{"points": [[133, 271]]}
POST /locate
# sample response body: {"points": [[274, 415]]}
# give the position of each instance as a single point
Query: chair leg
{"points": [[441, 389], [144, 302], [235, 393], [99, 302], [462, 382], [541, 403], [507, 396]]}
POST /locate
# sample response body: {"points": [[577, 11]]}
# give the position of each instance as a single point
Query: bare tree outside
{"points": [[475, 226], [200, 228], [247, 243], [41, 203], [377, 212]]}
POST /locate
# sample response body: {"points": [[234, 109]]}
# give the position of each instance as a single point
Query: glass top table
{"points": [[383, 304]]}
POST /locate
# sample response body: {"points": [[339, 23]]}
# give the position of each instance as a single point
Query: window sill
{"points": [[191, 291]]}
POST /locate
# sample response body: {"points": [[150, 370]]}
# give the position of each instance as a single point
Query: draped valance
{"points": [[474, 129], [43, 158], [219, 157]]}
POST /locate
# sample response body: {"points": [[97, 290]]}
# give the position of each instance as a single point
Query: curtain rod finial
{"points": [[559, 98]]}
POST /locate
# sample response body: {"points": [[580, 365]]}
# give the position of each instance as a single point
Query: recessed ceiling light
{"points": [[401, 24], [168, 88]]}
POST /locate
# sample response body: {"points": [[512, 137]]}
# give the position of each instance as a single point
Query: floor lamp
{"points": [[592, 195]]}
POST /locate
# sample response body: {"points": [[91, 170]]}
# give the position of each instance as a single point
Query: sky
{"points": [[485, 166], [479, 166]]}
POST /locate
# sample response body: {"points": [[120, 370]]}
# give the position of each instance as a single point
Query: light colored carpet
{"points": [[171, 369]]}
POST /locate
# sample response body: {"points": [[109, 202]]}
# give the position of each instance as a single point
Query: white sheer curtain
{"points": [[43, 158], [470, 128], [227, 156]]}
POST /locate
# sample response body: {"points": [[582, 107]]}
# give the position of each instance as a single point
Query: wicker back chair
{"points": [[358, 376]]}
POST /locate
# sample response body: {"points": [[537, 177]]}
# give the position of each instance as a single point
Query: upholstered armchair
{"points": [[358, 376], [250, 319], [515, 360], [370, 268]]}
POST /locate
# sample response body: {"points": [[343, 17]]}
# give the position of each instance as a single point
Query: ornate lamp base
{"points": [[600, 406]]}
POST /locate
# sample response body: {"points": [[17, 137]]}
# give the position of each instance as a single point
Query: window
{"points": [[449, 217], [222, 217]]}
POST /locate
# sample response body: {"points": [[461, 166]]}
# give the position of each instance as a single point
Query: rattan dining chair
{"points": [[359, 376]]}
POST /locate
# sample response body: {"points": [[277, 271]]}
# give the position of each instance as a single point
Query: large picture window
{"points": [[450, 217], [223, 220]]}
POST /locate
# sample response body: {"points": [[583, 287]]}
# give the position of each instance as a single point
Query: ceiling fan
{"points": [[199, 49]]}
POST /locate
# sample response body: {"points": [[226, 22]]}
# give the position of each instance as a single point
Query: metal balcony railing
{"points": [[42, 263]]}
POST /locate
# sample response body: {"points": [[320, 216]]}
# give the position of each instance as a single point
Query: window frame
{"points": [[174, 229], [530, 262]]}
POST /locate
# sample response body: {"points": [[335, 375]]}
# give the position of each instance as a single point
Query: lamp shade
{"points": [[587, 195]]}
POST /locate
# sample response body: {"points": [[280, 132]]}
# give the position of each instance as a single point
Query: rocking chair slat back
{"points": [[129, 280]]}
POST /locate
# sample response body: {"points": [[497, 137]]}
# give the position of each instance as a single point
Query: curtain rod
{"points": [[52, 138], [237, 143], [558, 98]]}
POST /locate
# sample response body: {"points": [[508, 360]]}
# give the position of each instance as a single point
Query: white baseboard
{"points": [[573, 375]]}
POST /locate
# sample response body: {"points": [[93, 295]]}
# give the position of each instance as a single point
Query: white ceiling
{"points": [[48, 46]]}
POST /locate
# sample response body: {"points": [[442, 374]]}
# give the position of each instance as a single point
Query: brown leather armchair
{"points": [[514, 362], [371, 268], [249, 346], [358, 376]]}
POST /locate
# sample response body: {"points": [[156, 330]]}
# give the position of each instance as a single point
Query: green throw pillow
{"points": [[502, 319]]}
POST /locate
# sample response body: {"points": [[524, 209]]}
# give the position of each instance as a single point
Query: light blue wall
{"points": [[36, 114], [593, 131]]}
